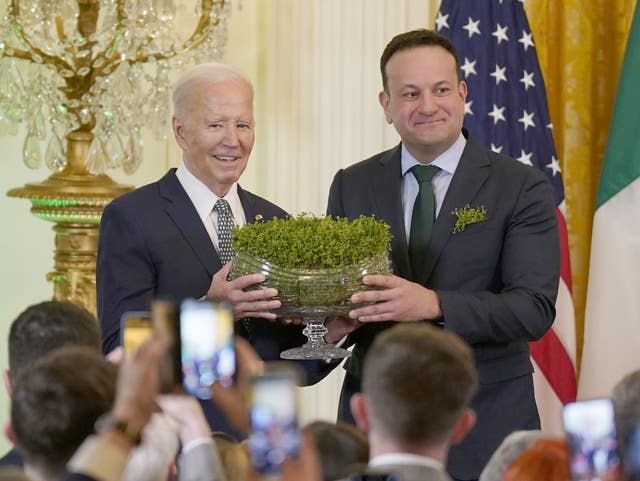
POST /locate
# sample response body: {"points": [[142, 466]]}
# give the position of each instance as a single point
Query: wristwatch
{"points": [[131, 432]]}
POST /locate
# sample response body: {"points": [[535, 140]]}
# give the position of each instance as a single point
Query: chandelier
{"points": [[99, 66], [85, 76]]}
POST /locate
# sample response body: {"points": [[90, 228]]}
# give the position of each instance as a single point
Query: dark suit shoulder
{"points": [[501, 163], [261, 206], [145, 193], [373, 162]]}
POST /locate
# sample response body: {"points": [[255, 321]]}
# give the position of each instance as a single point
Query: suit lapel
{"points": [[248, 205], [387, 195], [472, 171], [184, 215]]}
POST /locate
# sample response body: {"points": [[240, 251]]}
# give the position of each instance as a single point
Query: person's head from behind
{"points": [[213, 124], [44, 327], [341, 448], [547, 458], [510, 448], [423, 95], [55, 405], [626, 409], [416, 387]]}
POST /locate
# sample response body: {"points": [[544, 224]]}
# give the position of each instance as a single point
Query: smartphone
{"points": [[135, 329], [206, 346], [275, 434], [164, 322], [591, 436]]}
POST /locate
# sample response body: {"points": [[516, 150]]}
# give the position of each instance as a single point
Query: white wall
{"points": [[314, 64]]}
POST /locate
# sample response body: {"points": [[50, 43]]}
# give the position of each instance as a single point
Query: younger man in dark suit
{"points": [[475, 245]]}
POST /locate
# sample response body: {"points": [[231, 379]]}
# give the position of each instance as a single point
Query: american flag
{"points": [[506, 109]]}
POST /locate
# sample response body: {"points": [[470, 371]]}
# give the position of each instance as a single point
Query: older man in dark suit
{"points": [[171, 238], [475, 245]]}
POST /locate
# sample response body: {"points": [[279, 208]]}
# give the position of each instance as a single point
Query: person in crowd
{"points": [[509, 449], [341, 447], [626, 407], [547, 459], [103, 456], [55, 405], [475, 246], [39, 330], [416, 387]]}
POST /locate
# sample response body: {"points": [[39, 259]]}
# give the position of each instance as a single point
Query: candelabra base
{"points": [[74, 203]]}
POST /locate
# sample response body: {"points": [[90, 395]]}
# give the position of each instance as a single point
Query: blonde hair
{"points": [[234, 459]]}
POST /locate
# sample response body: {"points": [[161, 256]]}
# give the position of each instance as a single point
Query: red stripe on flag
{"points": [[556, 366], [565, 260]]}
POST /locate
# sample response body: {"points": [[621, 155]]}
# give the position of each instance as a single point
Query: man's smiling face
{"points": [[217, 134], [425, 100]]}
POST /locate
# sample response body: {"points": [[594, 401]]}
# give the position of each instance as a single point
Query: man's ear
{"points": [[178, 132], [360, 411], [465, 422], [463, 90], [383, 98], [8, 381]]}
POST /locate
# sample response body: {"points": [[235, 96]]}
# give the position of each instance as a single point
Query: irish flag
{"points": [[612, 322]]}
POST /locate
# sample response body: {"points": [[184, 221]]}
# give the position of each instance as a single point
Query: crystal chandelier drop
{"points": [[99, 66]]}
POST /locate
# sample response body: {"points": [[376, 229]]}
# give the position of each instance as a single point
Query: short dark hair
{"points": [[56, 402], [415, 38], [342, 448], [417, 380], [46, 326]]}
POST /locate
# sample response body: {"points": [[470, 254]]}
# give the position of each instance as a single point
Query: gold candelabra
{"points": [[92, 73]]}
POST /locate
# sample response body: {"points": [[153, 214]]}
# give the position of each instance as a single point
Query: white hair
{"points": [[510, 448], [205, 73], [154, 457]]}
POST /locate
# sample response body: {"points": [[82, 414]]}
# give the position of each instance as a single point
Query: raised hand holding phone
{"points": [[207, 352]]}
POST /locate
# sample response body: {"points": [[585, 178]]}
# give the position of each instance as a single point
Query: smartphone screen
{"points": [[206, 346], [135, 329], [275, 435], [591, 436], [163, 320]]}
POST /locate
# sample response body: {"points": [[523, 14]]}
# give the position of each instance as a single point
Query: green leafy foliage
{"points": [[306, 241]]}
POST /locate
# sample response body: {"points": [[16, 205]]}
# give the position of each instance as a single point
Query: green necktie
{"points": [[423, 217]]}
